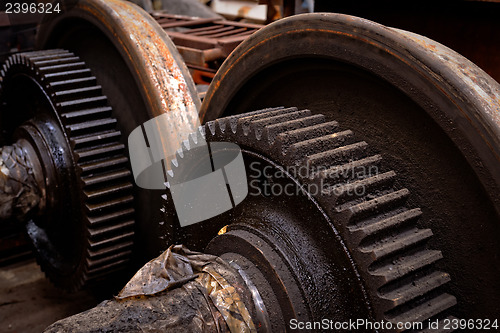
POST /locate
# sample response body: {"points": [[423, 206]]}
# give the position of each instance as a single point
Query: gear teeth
{"points": [[395, 269], [415, 289], [95, 246], [393, 245], [107, 205], [346, 172], [106, 177], [73, 83], [68, 75], [257, 126], [301, 150], [179, 154], [338, 155], [341, 193], [82, 128], [273, 130], [70, 95], [83, 103], [211, 127], [82, 115], [193, 140], [114, 229], [285, 140], [93, 153], [104, 164], [196, 139], [63, 67], [109, 253], [94, 139], [426, 309], [243, 123], [105, 186], [104, 264], [33, 60], [52, 61], [108, 191], [45, 54], [186, 145], [175, 163], [189, 150], [373, 228], [107, 218], [201, 132], [389, 249], [219, 126], [364, 209], [232, 121]]}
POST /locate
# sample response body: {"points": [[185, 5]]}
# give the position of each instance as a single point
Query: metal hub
{"points": [[83, 226]]}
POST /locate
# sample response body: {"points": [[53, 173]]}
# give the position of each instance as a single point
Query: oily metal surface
{"points": [[410, 106], [89, 233], [141, 73], [19, 191], [363, 202]]}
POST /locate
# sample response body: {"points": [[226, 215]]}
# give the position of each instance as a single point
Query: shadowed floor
{"points": [[29, 303]]}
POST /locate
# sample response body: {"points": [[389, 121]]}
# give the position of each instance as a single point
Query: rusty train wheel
{"points": [[431, 114]]}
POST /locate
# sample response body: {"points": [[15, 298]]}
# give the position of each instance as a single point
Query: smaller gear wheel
{"points": [[86, 229]]}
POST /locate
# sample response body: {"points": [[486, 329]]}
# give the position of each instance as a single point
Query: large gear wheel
{"points": [[360, 196], [86, 227]]}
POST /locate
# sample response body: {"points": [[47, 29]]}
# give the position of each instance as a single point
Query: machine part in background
{"points": [[17, 32], [53, 110], [147, 5], [261, 11], [467, 27], [431, 113], [204, 43], [140, 72], [343, 243], [241, 10], [192, 8]]}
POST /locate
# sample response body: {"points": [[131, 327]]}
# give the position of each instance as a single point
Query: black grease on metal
{"points": [[19, 192]]}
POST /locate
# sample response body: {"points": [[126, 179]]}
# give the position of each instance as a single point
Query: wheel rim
{"points": [[376, 81]]}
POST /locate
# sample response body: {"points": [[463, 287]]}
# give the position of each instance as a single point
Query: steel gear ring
{"points": [[87, 229]]}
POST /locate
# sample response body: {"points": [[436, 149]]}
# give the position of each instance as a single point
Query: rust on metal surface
{"points": [[152, 58], [482, 85], [204, 43]]}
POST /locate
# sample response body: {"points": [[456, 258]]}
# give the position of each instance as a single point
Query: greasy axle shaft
{"points": [[20, 192]]}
